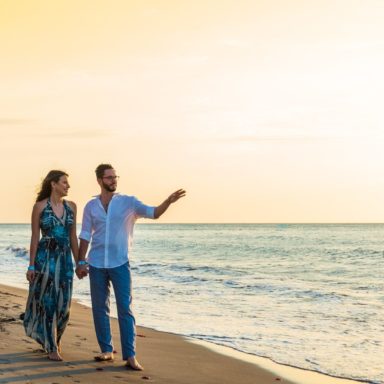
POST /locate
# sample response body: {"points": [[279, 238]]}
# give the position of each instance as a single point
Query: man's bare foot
{"points": [[55, 356], [105, 356], [132, 363]]}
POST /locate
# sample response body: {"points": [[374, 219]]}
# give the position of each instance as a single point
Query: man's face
{"points": [[109, 180]]}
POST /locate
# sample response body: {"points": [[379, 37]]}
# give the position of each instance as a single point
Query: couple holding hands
{"points": [[108, 221]]}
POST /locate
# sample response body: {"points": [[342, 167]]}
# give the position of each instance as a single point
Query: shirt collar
{"points": [[115, 194]]}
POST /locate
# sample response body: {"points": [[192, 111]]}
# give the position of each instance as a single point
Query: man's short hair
{"points": [[101, 169]]}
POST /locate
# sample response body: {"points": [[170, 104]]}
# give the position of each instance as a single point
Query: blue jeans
{"points": [[100, 279]]}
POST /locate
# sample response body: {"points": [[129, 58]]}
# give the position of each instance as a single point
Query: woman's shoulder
{"points": [[39, 206], [71, 205]]}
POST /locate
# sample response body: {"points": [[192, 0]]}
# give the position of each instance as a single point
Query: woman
{"points": [[50, 271]]}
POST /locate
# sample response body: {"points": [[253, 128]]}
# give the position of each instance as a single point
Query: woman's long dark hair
{"points": [[46, 188]]}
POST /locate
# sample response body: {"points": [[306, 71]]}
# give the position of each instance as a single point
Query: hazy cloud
{"points": [[19, 127], [14, 121], [73, 133], [283, 138], [235, 43]]}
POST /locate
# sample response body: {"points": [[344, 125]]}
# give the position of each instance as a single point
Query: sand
{"points": [[166, 358]]}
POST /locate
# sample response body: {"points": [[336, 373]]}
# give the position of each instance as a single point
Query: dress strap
{"points": [[63, 218]]}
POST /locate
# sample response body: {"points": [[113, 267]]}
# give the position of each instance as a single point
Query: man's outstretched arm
{"points": [[159, 210]]}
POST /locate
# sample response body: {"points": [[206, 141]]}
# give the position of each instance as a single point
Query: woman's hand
{"points": [[31, 275]]}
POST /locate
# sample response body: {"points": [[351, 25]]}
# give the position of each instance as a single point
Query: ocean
{"points": [[305, 295]]}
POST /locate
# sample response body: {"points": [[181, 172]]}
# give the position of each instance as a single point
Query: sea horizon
{"points": [[154, 222]]}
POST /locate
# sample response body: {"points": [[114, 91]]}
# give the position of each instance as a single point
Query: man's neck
{"points": [[106, 196]]}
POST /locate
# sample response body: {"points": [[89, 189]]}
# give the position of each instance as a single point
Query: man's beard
{"points": [[109, 188]]}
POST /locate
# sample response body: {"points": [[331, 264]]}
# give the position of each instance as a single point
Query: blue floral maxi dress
{"points": [[49, 300]]}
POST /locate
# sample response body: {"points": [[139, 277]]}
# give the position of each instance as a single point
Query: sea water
{"points": [[309, 296]]}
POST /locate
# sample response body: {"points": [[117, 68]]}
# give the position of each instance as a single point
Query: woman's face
{"points": [[62, 186]]}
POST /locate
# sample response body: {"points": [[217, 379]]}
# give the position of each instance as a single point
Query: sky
{"points": [[265, 111]]}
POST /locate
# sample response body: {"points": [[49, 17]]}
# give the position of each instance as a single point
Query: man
{"points": [[108, 221]]}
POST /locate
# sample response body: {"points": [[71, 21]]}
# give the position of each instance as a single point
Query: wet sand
{"points": [[166, 358]]}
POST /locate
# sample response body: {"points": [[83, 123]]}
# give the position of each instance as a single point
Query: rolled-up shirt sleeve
{"points": [[142, 210], [86, 225]]}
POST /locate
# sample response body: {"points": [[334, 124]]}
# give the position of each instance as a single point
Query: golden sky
{"points": [[264, 111]]}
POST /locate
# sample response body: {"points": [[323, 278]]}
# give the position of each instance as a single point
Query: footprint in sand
{"points": [[81, 337]]}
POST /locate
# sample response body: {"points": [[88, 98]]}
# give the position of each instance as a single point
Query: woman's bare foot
{"points": [[55, 356], [132, 363]]}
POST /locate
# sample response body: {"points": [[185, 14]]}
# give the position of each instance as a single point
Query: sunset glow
{"points": [[264, 111]]}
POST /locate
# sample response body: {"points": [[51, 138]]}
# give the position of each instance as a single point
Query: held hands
{"points": [[176, 196], [82, 271]]}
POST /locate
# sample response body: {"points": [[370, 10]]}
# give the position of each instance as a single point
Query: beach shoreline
{"points": [[167, 357]]}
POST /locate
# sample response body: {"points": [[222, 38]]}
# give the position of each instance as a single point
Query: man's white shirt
{"points": [[111, 232]]}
